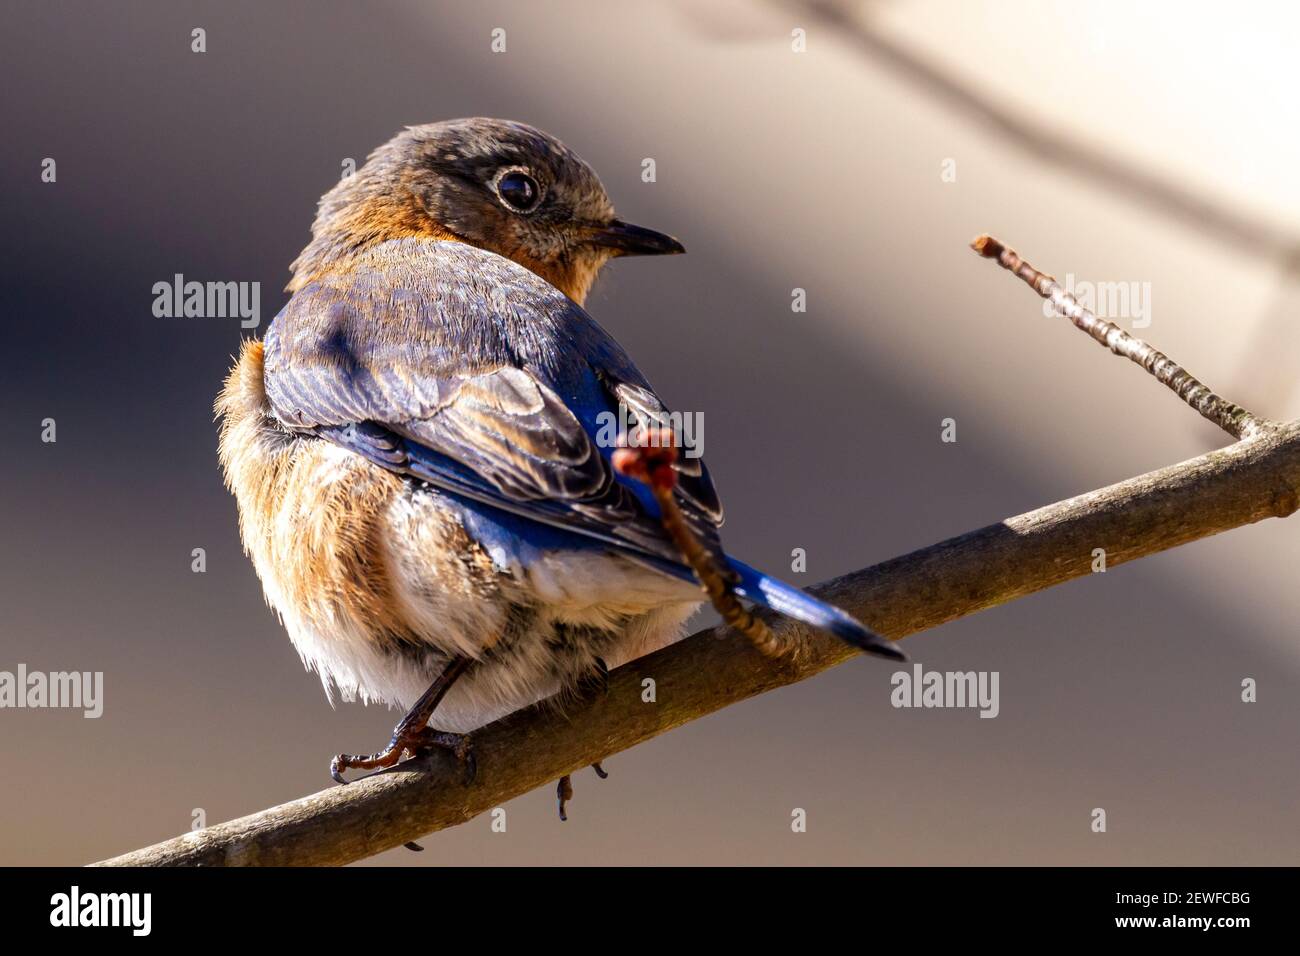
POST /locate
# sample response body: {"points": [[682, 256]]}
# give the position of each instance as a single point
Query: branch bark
{"points": [[1255, 478]]}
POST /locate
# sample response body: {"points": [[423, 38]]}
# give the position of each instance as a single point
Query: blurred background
{"points": [[840, 170]]}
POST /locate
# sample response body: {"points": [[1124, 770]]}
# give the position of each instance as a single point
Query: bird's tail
{"points": [[762, 589]]}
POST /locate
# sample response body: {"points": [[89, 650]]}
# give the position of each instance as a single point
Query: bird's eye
{"points": [[519, 191]]}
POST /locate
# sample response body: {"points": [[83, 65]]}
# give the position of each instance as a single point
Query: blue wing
{"points": [[463, 369]]}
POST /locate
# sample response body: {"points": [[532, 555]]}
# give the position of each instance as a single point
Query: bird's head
{"points": [[499, 185]]}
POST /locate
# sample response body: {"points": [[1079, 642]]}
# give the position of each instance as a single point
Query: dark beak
{"points": [[629, 240]]}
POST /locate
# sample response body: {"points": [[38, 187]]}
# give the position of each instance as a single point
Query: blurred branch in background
{"points": [[1253, 479], [1214, 218]]}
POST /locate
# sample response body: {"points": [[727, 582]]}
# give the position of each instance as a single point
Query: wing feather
{"points": [[462, 369]]}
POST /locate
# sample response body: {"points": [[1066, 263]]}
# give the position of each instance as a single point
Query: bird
{"points": [[415, 448]]}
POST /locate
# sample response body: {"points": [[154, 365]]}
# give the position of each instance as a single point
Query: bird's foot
{"points": [[413, 733], [412, 741], [563, 794], [564, 789], [376, 761]]}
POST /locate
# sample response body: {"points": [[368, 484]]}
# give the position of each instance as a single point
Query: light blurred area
{"points": [[821, 170]]}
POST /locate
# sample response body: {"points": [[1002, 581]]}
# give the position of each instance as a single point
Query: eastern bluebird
{"points": [[413, 447]]}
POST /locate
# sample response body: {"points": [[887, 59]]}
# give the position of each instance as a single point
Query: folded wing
{"points": [[462, 369]]}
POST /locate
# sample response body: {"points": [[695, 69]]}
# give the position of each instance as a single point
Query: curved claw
{"points": [[336, 771], [564, 793], [601, 772], [412, 731]]}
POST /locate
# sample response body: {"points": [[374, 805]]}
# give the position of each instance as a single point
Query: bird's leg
{"points": [[413, 733], [651, 461]]}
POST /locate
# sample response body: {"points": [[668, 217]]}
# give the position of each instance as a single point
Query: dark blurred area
{"points": [[778, 171]]}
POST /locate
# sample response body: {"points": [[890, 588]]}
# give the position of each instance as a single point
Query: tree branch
{"points": [[1253, 479], [1232, 418]]}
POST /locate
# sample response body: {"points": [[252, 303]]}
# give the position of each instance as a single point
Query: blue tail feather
{"points": [[763, 589]]}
